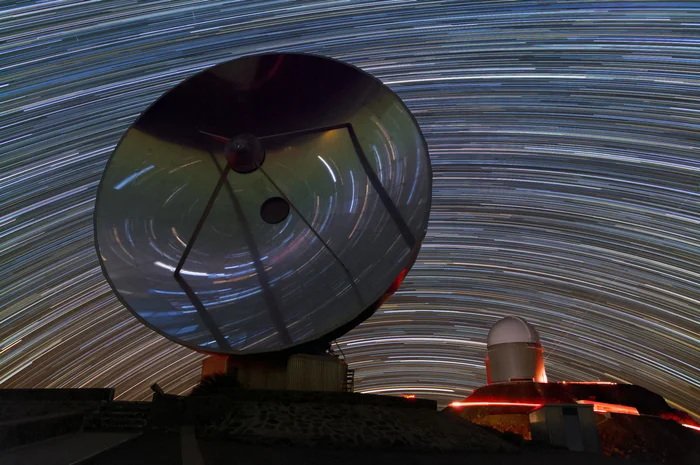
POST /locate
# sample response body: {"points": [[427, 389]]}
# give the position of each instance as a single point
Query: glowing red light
{"points": [[457, 404], [696, 428], [409, 396], [602, 407], [394, 286], [606, 383]]}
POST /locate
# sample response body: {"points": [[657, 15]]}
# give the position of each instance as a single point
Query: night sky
{"points": [[565, 145]]}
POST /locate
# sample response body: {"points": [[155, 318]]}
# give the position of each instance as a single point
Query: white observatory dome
{"points": [[512, 329]]}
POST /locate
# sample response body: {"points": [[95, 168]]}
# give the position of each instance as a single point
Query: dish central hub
{"points": [[244, 153]]}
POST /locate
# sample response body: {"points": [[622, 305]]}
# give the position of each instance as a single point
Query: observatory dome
{"points": [[512, 329]]}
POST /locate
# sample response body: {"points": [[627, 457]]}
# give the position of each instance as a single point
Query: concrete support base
{"points": [[297, 372]]}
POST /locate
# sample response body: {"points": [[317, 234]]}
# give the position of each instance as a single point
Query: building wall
{"points": [[516, 361]]}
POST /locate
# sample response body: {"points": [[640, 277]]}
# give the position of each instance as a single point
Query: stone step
{"points": [[124, 413], [109, 425], [118, 416]]}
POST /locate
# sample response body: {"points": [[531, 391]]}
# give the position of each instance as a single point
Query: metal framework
{"points": [[269, 296]]}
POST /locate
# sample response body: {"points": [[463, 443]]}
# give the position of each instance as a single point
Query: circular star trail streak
{"points": [[564, 138]]}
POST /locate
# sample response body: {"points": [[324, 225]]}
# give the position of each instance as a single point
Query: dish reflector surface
{"points": [[266, 204]]}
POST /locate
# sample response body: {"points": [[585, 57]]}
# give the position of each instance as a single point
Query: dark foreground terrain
{"points": [[166, 450]]}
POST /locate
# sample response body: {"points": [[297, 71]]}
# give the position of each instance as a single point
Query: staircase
{"points": [[350, 380], [118, 416], [349, 374]]}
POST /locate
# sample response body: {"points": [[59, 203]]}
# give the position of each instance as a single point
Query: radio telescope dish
{"points": [[270, 203]]}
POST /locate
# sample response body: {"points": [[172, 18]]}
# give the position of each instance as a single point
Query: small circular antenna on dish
{"points": [[268, 204]]}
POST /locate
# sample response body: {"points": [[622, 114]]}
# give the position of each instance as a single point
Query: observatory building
{"points": [[514, 352], [518, 398]]}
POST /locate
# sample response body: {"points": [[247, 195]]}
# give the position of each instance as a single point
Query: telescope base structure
{"points": [[298, 372]]}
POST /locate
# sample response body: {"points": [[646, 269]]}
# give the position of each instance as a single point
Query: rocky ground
{"points": [[341, 425]]}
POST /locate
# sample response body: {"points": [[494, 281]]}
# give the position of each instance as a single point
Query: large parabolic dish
{"points": [[268, 204]]}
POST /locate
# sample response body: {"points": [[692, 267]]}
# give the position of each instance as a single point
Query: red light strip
{"points": [[605, 383], [602, 407], [493, 404], [696, 428]]}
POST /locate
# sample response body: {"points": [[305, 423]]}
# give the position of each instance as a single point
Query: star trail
{"points": [[564, 140]]}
